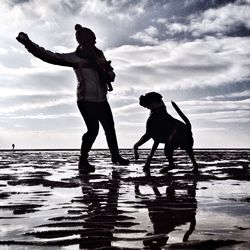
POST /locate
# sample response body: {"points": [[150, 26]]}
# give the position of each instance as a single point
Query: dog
{"points": [[163, 128]]}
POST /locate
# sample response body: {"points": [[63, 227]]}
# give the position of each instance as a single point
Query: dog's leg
{"points": [[147, 164], [191, 229], [143, 140], [169, 154], [191, 155]]}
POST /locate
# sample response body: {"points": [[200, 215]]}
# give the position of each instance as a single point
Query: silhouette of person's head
{"points": [[85, 36]]}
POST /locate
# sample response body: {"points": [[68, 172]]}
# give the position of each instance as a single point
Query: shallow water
{"points": [[45, 204]]}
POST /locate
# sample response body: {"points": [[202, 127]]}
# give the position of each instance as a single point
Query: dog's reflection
{"points": [[170, 210]]}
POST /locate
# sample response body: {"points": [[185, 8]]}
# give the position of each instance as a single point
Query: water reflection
{"points": [[101, 199], [174, 207], [103, 211]]}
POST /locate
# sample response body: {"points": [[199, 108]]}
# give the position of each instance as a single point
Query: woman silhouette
{"points": [[94, 75]]}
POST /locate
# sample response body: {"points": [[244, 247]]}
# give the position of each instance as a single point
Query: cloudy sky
{"points": [[195, 52]]}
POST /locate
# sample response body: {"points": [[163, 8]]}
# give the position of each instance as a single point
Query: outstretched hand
{"points": [[22, 38]]}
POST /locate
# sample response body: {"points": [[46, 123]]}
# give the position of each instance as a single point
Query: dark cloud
{"points": [[238, 31], [14, 2], [180, 20]]}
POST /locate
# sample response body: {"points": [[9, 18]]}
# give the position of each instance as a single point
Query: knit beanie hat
{"points": [[84, 33]]}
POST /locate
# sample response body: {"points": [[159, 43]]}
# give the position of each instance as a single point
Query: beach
{"points": [[45, 204]]}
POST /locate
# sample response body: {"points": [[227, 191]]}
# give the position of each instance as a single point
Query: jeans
{"points": [[93, 113]]}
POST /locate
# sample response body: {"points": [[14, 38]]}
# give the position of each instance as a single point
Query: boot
{"points": [[84, 166], [118, 160]]}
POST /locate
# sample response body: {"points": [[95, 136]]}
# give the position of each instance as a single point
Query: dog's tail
{"points": [[184, 118]]}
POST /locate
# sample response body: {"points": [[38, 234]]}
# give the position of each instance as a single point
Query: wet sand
{"points": [[45, 204]]}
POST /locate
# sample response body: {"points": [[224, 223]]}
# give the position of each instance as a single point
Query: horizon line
{"points": [[78, 149]]}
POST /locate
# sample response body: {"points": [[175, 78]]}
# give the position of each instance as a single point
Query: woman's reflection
{"points": [[101, 199]]}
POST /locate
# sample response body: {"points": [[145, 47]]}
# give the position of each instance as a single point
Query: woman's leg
{"points": [[107, 121], [89, 113]]}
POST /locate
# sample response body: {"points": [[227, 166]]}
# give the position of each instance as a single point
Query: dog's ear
{"points": [[155, 96], [158, 96]]}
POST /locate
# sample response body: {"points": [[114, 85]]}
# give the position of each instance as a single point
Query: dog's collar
{"points": [[158, 108]]}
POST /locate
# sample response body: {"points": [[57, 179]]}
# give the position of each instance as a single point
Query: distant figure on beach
{"points": [[13, 147], [94, 75]]}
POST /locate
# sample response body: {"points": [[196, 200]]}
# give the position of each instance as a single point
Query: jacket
{"points": [[93, 76]]}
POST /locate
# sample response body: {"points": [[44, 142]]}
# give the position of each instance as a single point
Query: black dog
{"points": [[163, 128]]}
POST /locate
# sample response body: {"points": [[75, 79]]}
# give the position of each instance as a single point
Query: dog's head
{"points": [[151, 100]]}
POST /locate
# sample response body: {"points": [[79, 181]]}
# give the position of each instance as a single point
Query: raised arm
{"points": [[62, 59]]}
